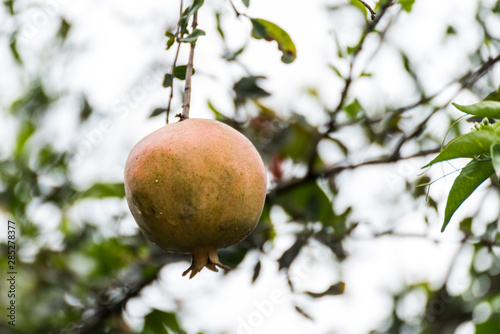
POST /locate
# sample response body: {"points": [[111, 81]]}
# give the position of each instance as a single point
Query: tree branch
{"points": [[189, 71]]}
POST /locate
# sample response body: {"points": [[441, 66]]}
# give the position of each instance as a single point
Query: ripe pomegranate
{"points": [[195, 186]]}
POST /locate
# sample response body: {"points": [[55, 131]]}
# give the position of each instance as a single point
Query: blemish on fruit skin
{"points": [[156, 181]]}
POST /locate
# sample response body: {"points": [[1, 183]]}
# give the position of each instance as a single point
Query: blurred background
{"points": [[346, 244]]}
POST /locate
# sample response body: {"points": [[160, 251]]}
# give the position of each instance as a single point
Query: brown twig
{"points": [[372, 12], [189, 71], [175, 60]]}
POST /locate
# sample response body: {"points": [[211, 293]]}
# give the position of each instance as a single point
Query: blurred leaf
{"points": [[481, 109], [193, 37], [353, 109], [297, 140], [64, 29], [247, 87], [290, 254], [469, 145], [471, 176], [407, 4], [495, 158], [490, 326], [303, 313], [109, 256], [218, 115], [219, 27], [179, 72], [26, 130], [334, 290], [102, 190], [269, 31], [86, 109], [9, 4], [308, 203], [158, 322], [256, 271], [246, 3], [158, 111], [170, 42], [168, 79], [450, 30], [466, 226], [14, 51], [359, 6], [188, 12]]}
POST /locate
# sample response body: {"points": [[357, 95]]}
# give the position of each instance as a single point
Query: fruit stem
{"points": [[189, 71], [204, 256]]}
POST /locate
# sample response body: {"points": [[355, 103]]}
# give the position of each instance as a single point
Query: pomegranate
{"points": [[195, 186]]}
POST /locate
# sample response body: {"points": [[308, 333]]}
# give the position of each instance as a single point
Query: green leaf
{"points": [[188, 13], [193, 37], [180, 72], [269, 31], [353, 109], [407, 4], [102, 190], [307, 203], [246, 3], [247, 87], [63, 29], [159, 322], [333, 290], [471, 177], [157, 111], [168, 80], [495, 157], [488, 108], [25, 132], [468, 145], [359, 6], [170, 42]]}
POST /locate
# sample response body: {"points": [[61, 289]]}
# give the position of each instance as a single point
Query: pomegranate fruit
{"points": [[195, 186]]}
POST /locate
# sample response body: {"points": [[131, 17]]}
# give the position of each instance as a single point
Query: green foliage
{"points": [[193, 37], [188, 12], [482, 144], [471, 176], [407, 5], [269, 31]]}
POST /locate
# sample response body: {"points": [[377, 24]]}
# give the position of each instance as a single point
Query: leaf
{"points": [[168, 80], [246, 3], [407, 4], [64, 29], [486, 108], [471, 177], [468, 145], [188, 13], [193, 37], [334, 290], [102, 190], [307, 203], [157, 111], [180, 72], [86, 109], [256, 271], [290, 254], [159, 322], [269, 31], [353, 109], [170, 42], [247, 87], [495, 157]]}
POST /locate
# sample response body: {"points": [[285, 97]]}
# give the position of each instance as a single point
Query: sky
{"points": [[115, 54]]}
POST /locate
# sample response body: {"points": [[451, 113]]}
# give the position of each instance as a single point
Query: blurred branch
{"points": [[287, 185], [105, 310]]}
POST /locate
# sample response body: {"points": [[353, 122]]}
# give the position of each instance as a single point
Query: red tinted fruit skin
{"points": [[195, 186]]}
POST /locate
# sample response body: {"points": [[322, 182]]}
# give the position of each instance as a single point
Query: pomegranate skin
{"points": [[195, 186]]}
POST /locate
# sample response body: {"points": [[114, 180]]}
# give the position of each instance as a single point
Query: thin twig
{"points": [[189, 72], [175, 60], [372, 12]]}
